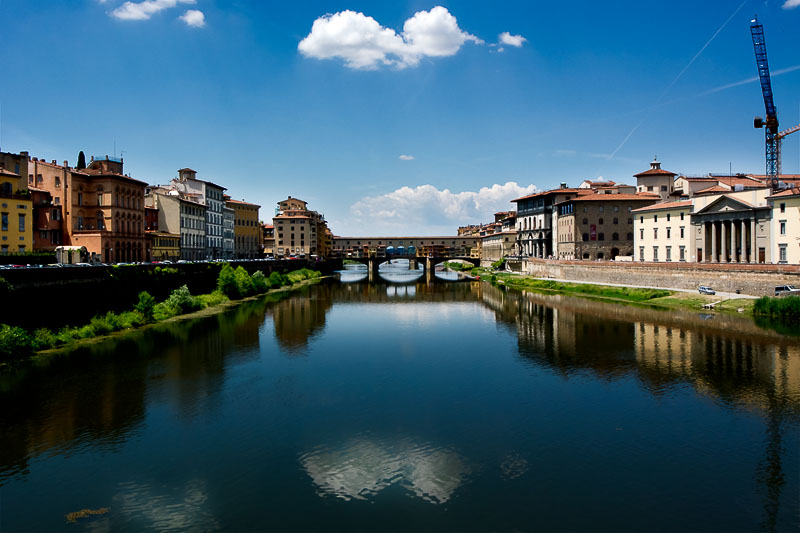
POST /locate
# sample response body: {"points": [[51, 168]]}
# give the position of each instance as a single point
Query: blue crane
{"points": [[772, 136]]}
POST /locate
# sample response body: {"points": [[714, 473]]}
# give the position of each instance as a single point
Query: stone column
{"points": [[734, 259], [723, 244], [753, 233], [713, 241], [743, 258]]}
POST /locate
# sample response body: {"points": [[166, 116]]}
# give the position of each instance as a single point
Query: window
{"points": [[616, 220], [649, 188], [58, 181], [668, 215], [21, 248], [585, 220], [669, 233], [663, 187], [5, 189], [641, 253], [57, 200], [22, 222], [782, 253], [682, 232], [600, 221], [4, 222], [681, 215], [669, 253], [80, 223], [655, 233], [601, 208], [655, 253], [99, 198], [782, 222], [601, 236], [683, 253], [630, 236], [585, 237], [655, 218], [641, 220], [783, 208], [615, 236]]}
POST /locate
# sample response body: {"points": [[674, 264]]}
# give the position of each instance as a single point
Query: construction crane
{"points": [[773, 137]]}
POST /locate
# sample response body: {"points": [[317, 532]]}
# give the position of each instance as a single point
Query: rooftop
{"points": [[794, 191], [664, 205], [613, 197]]}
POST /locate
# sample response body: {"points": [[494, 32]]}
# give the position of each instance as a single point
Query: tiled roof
{"points": [[664, 205], [613, 197], [568, 190], [655, 172], [6, 172], [713, 190], [794, 191], [241, 202]]}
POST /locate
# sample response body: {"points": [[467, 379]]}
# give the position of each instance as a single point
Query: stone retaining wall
{"points": [[757, 280]]}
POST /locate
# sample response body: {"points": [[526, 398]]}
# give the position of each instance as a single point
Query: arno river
{"points": [[421, 406]]}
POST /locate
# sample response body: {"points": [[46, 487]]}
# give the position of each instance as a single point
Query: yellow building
{"points": [[16, 214], [247, 232], [786, 226], [164, 246]]}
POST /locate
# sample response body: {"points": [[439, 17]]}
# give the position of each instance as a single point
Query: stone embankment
{"points": [[756, 280]]}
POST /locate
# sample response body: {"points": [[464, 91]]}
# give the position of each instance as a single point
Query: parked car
{"points": [[703, 289], [781, 290]]}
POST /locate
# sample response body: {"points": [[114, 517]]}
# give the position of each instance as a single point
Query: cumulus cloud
{"points": [[145, 9], [405, 157], [406, 209], [194, 18], [513, 40], [791, 4], [363, 43]]}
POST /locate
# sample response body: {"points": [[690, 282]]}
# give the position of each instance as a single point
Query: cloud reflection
{"points": [[362, 468]]}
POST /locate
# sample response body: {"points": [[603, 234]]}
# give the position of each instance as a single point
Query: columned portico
{"points": [[713, 242], [729, 231]]}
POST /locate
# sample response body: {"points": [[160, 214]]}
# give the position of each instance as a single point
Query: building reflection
{"points": [[726, 358]]}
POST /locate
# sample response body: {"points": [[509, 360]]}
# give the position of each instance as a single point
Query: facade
{"points": [[535, 218], [178, 215], [246, 230], [598, 226], [228, 232], [663, 232], [164, 246], [301, 231], [211, 196], [16, 214], [498, 245], [785, 207], [656, 180], [47, 218], [268, 239]]}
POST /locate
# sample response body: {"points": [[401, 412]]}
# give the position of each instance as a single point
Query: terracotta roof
{"points": [[713, 190], [241, 202], [664, 205], [655, 172], [100, 173], [739, 180], [568, 190], [613, 197], [698, 178], [608, 183], [794, 191], [6, 172], [187, 169], [782, 177]]}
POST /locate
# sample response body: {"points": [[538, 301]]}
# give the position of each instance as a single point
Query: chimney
{"points": [[54, 161], [563, 184], [66, 164]]}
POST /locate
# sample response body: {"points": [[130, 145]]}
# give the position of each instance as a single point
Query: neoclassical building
{"points": [[729, 229]]}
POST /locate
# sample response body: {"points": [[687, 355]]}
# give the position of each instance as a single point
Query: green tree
{"points": [[226, 282], [81, 161], [243, 281], [146, 305]]}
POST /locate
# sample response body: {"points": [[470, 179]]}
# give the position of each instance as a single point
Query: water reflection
{"points": [[361, 468]]}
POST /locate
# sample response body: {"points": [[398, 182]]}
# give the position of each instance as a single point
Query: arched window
{"points": [[630, 236], [600, 221], [100, 221], [585, 237], [616, 220], [615, 236], [601, 236], [6, 189], [586, 220]]}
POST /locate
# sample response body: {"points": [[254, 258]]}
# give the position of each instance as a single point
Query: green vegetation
{"points": [[81, 161], [459, 267], [627, 294], [232, 284], [500, 264], [350, 262], [786, 308]]}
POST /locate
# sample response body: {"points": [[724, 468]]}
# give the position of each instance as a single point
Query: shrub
{"points": [[182, 300], [784, 307], [210, 300], [43, 339], [498, 265], [146, 305], [260, 283], [276, 279], [101, 325], [226, 282], [14, 342], [5, 288], [130, 319], [162, 311], [243, 281]]}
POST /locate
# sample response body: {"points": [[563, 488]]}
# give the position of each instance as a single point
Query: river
{"points": [[421, 405]]}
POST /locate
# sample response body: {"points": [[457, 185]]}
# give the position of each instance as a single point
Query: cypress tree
{"points": [[81, 161]]}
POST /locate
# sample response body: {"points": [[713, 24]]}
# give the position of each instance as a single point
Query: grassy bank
{"points": [[232, 284], [651, 297], [784, 308]]}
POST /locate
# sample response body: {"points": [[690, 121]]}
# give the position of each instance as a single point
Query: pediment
{"points": [[724, 204]]}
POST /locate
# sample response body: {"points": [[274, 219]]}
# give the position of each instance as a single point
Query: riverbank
{"points": [[233, 287], [663, 298]]}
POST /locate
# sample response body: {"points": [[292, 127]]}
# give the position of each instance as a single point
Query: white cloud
{"points": [[194, 18], [364, 44], [791, 4], [513, 40], [405, 157], [405, 210], [145, 9]]}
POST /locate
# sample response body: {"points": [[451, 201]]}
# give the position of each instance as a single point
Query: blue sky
{"points": [[226, 88]]}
